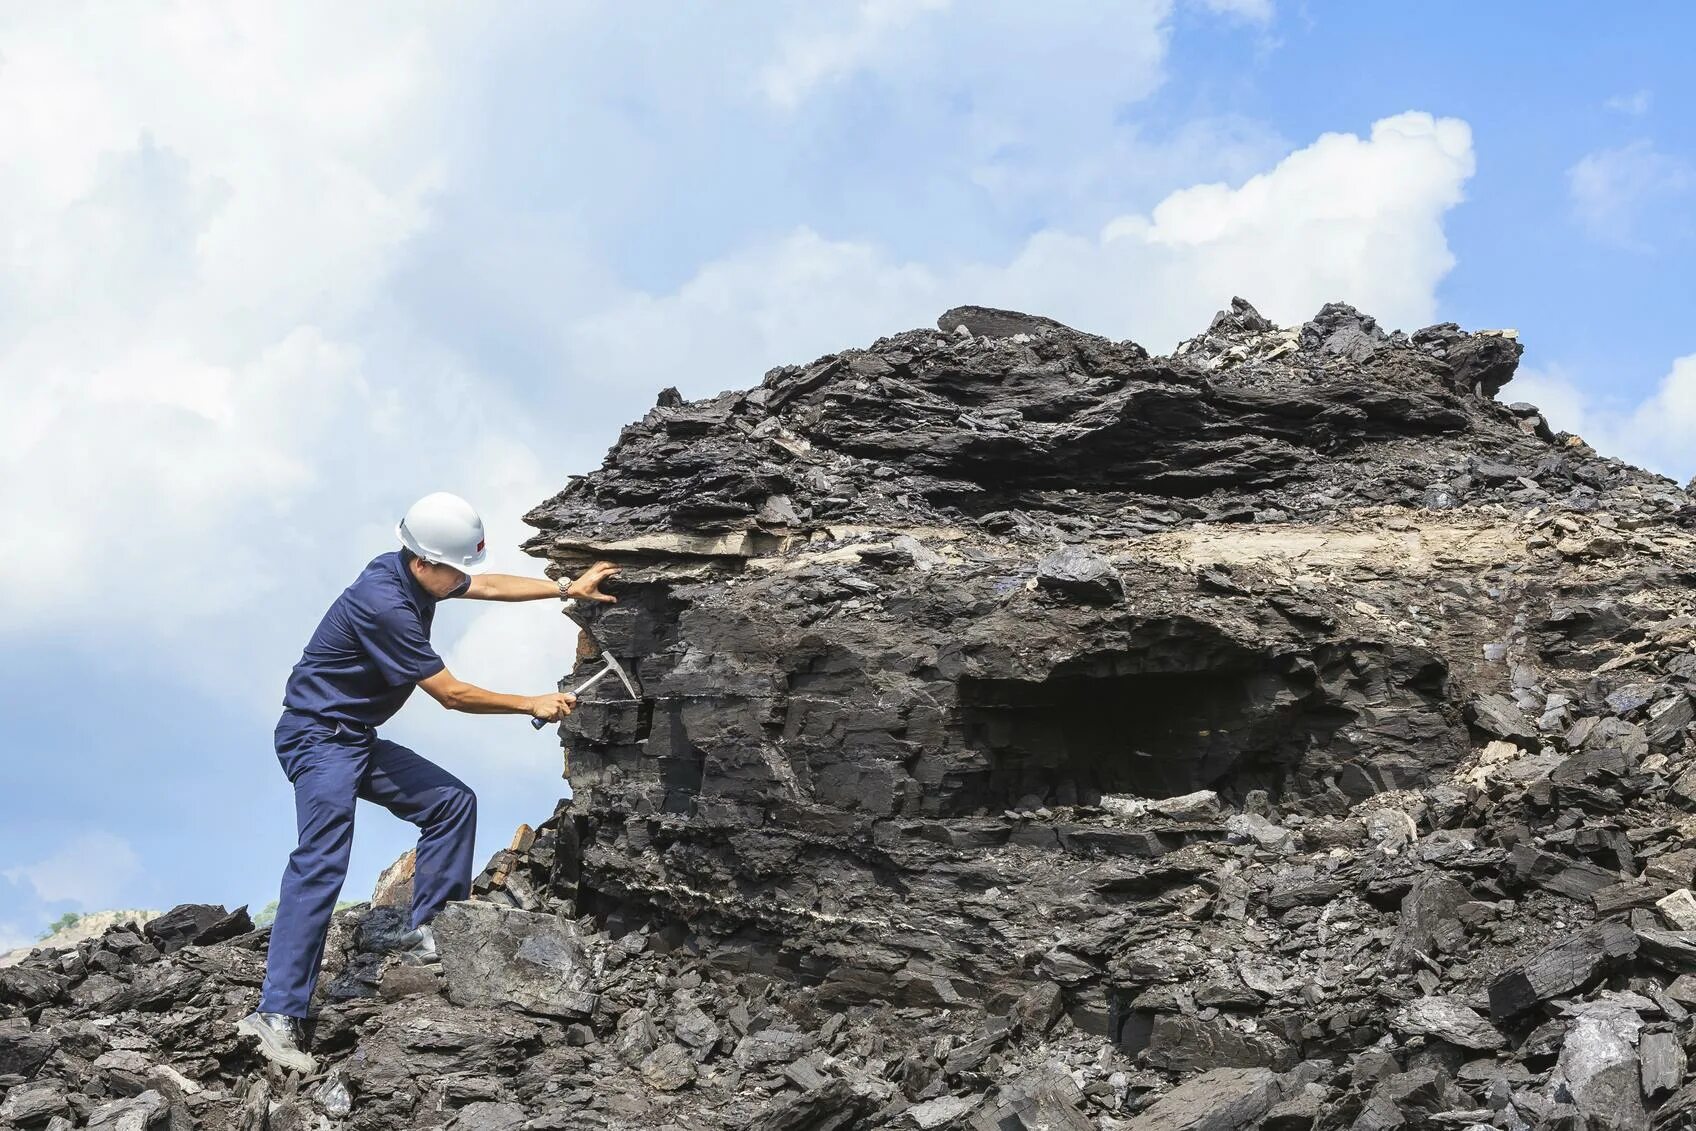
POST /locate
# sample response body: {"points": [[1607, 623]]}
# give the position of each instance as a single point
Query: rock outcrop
{"points": [[1036, 733]]}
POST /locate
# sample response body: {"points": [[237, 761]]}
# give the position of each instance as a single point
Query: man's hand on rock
{"points": [[553, 707], [588, 586]]}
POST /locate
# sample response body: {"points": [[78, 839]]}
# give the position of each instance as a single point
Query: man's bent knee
{"points": [[455, 805], [463, 803]]}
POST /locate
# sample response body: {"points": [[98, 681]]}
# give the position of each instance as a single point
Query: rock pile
{"points": [[1281, 734], [531, 1020]]}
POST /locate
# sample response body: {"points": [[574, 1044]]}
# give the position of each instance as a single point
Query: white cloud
{"points": [[1003, 72], [171, 346], [92, 870], [1020, 107], [1249, 11], [1618, 193], [200, 396], [811, 58], [1636, 103], [1346, 217], [1658, 433]]}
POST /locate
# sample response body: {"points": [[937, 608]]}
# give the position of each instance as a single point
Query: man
{"points": [[370, 650]]}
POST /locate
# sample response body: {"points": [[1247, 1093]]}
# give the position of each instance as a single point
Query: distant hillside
{"points": [[73, 929]]}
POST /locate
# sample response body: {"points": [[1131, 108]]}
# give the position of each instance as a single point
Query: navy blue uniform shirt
{"points": [[370, 649]]}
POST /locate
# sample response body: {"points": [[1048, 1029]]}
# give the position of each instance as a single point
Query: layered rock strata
{"points": [[909, 618]]}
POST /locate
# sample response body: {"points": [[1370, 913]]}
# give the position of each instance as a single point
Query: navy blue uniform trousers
{"points": [[332, 765]]}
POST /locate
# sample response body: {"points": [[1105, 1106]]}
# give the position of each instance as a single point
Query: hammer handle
{"points": [[538, 724]]}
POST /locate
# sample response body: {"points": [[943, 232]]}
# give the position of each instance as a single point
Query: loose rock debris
{"points": [[1037, 734]]}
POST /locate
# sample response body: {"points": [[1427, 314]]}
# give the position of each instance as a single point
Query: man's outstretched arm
{"points": [[506, 587], [457, 695]]}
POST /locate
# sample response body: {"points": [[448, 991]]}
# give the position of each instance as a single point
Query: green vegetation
{"points": [[68, 919]]}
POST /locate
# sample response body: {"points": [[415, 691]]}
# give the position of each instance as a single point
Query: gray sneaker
{"points": [[279, 1040], [418, 947]]}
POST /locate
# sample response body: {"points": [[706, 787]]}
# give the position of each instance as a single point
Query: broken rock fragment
{"points": [[196, 923], [1668, 720], [23, 1049], [668, 1067], [939, 1112], [505, 957], [1189, 1044], [1663, 1063], [1598, 1074], [1672, 950], [696, 1029], [1679, 909], [1220, 1099], [1561, 968], [988, 322], [771, 1046], [1448, 1019], [133, 1113], [1044, 1100], [1081, 575], [29, 1104], [1039, 1008], [831, 1106], [1429, 921], [1500, 717]]}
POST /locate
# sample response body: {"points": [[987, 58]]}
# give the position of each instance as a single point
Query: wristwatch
{"points": [[564, 589]]}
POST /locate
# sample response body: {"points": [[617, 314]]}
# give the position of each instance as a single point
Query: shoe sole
{"points": [[271, 1050]]}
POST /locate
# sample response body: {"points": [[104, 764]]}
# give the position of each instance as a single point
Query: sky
{"points": [[271, 272]]}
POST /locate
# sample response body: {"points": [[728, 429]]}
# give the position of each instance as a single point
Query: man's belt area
{"points": [[336, 725]]}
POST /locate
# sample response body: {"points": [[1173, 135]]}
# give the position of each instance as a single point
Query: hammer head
{"points": [[630, 685], [585, 624]]}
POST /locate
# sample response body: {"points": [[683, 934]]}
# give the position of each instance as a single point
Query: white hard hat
{"points": [[444, 528]]}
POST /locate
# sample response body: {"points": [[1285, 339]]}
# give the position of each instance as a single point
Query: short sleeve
{"points": [[396, 643]]}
